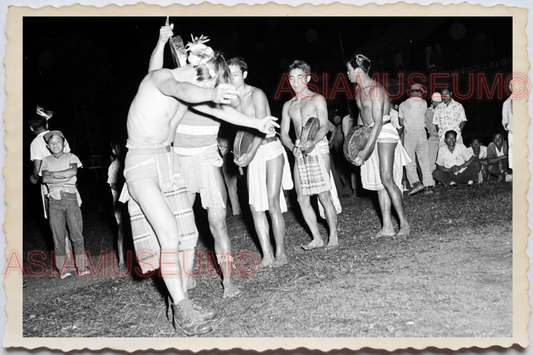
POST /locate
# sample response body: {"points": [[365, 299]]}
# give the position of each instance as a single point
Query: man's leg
{"points": [[58, 225], [307, 212], [433, 146], [410, 142], [444, 177], [470, 173], [422, 153], [329, 209], [274, 175], [386, 163], [217, 225]]}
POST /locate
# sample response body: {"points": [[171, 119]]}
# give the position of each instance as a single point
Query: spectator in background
{"points": [[480, 154], [59, 172], [412, 115], [449, 115], [433, 137], [497, 155], [38, 151], [507, 122], [116, 181], [226, 138], [455, 164]]}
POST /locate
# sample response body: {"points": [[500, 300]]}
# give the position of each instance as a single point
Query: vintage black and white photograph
{"points": [[268, 176]]}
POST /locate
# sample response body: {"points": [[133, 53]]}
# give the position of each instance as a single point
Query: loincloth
{"points": [[149, 163], [201, 171], [257, 176], [314, 177], [370, 175]]}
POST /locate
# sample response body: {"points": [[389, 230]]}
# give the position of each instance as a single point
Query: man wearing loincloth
{"points": [[163, 97], [268, 170], [198, 161], [312, 175], [382, 158]]}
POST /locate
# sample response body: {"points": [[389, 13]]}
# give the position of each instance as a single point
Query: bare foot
{"points": [[280, 261], [384, 233], [404, 232], [315, 244], [266, 262], [333, 241], [231, 290]]}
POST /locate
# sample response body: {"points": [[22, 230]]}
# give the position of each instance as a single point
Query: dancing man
{"points": [[382, 158], [312, 173], [163, 98], [268, 170]]}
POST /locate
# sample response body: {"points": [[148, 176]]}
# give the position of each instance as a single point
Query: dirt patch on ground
{"points": [[451, 278]]}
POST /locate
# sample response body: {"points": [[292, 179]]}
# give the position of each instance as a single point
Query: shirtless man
{"points": [[268, 168], [196, 151], [304, 105], [381, 166], [161, 101]]}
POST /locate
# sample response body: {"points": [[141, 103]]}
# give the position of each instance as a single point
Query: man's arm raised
{"points": [[157, 57]]}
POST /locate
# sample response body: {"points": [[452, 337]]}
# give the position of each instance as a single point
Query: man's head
{"points": [[38, 124], [213, 72], [476, 143], [436, 99], [417, 90], [55, 141], [450, 138], [446, 95], [239, 70], [299, 75], [498, 138], [357, 65]]}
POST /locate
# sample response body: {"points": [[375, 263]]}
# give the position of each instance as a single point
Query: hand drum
{"points": [[355, 142]]}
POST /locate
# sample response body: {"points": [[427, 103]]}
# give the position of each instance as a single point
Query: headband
{"points": [[43, 113]]}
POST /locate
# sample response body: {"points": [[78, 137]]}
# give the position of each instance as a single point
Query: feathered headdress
{"points": [[43, 113], [199, 53]]}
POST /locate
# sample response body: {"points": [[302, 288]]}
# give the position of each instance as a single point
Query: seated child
{"points": [[59, 174], [480, 154], [498, 164]]}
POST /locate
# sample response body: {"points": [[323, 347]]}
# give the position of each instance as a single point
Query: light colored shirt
{"points": [[449, 117], [39, 149], [482, 151], [459, 156], [53, 164], [112, 172], [413, 112], [432, 130], [507, 115]]}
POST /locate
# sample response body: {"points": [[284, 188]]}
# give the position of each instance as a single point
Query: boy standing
{"points": [[312, 174], [59, 174]]}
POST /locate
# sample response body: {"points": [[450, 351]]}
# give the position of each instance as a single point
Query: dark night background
{"points": [[87, 69]]}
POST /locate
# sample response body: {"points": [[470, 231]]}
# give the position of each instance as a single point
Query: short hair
{"points": [[475, 137], [451, 131], [300, 64], [360, 61], [219, 65], [498, 131], [37, 122], [238, 62]]}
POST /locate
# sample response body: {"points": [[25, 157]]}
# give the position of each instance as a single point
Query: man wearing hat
{"points": [[433, 137], [412, 115]]}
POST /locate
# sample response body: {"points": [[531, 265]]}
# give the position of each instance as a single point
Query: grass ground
{"points": [[451, 278]]}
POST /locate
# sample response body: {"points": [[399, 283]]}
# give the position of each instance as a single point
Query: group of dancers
{"points": [[173, 155]]}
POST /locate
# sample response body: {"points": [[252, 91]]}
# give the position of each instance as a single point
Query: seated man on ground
{"points": [[455, 164], [480, 154], [497, 153]]}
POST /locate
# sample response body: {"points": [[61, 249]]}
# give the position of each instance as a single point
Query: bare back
{"points": [[372, 101]]}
